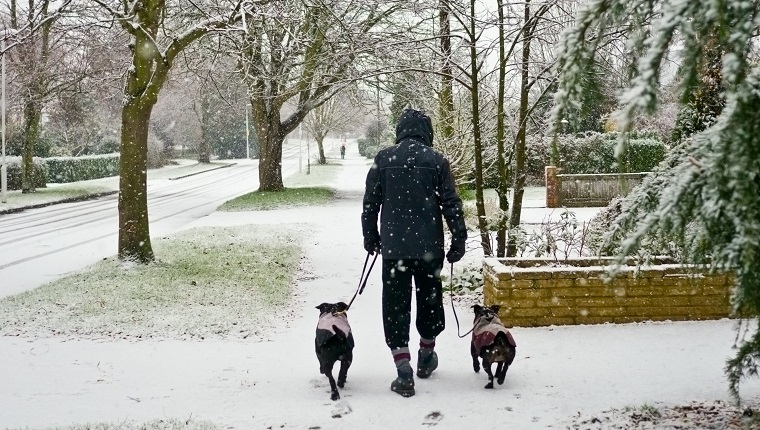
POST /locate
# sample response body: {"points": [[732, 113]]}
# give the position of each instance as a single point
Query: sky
{"points": [[562, 377]]}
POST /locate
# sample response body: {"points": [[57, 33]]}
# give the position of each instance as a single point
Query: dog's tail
{"points": [[503, 349], [338, 332]]}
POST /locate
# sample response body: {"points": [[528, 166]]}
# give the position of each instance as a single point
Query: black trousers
{"points": [[397, 299]]}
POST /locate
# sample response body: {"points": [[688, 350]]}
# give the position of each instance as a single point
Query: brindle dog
{"points": [[334, 342], [492, 342]]}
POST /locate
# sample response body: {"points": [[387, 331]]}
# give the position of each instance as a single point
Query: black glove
{"points": [[456, 252], [372, 243]]}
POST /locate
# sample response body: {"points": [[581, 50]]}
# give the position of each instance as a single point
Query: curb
{"points": [[198, 173], [68, 200], [95, 195]]}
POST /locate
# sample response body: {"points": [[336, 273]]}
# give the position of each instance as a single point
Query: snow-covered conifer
{"points": [[705, 198]]}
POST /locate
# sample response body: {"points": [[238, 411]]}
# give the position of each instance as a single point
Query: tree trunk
{"points": [[502, 188], [446, 104], [321, 149], [270, 158], [134, 233], [32, 115], [485, 240], [38, 50], [519, 174], [145, 78]]}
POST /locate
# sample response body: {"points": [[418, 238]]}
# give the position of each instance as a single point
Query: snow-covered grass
{"points": [[694, 415], [319, 175], [162, 424], [210, 282], [289, 197]]}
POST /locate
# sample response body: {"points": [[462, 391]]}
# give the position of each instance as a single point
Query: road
{"points": [[40, 245]]}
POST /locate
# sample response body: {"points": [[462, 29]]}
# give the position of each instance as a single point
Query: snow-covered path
{"points": [[559, 372]]}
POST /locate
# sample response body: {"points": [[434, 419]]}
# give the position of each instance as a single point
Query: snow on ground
{"points": [[563, 377]]}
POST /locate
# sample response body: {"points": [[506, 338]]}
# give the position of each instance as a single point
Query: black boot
{"points": [[404, 383], [426, 363]]}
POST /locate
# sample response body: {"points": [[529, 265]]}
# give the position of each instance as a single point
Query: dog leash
{"points": [[451, 292], [362, 279]]}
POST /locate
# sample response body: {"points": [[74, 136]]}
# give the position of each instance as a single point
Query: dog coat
{"points": [[330, 324], [484, 333]]}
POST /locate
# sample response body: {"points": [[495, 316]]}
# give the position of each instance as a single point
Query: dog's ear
{"points": [[495, 308], [477, 309], [341, 307], [324, 307]]}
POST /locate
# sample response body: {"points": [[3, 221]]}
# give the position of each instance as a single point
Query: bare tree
{"points": [[306, 52], [501, 112], [334, 115], [159, 33]]}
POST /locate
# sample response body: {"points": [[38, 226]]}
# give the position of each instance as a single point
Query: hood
{"points": [[415, 124]]}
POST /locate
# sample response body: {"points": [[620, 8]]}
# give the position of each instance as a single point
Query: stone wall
{"points": [[539, 292], [587, 190]]}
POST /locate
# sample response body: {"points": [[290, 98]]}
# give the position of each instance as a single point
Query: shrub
{"points": [[73, 169], [556, 238], [366, 148], [15, 142], [156, 153], [15, 173], [593, 153], [601, 225], [369, 149], [377, 137], [466, 280]]}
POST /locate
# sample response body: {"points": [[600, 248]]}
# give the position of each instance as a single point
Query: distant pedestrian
{"points": [[412, 183], [342, 150]]}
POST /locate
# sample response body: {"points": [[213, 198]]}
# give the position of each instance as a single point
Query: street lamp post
{"points": [[4, 166], [247, 135], [300, 156]]}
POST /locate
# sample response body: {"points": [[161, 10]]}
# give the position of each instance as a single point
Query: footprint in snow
{"points": [[341, 408], [433, 418]]}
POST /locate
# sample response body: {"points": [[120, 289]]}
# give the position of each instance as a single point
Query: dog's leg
{"points": [[321, 363], [510, 357], [345, 363], [487, 368], [501, 372], [475, 362], [334, 395]]}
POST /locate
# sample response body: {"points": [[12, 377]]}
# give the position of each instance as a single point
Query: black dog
{"points": [[334, 342], [492, 342]]}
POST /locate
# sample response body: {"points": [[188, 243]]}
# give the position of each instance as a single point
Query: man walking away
{"points": [[412, 183]]}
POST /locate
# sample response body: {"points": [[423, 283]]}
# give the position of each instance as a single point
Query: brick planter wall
{"points": [[539, 292]]}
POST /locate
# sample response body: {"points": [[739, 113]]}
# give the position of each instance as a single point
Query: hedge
{"points": [[368, 149], [593, 153], [74, 169], [15, 172]]}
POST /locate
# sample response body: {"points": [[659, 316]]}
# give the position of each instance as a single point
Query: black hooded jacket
{"points": [[412, 183]]}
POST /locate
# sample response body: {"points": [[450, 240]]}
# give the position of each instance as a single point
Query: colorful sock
{"points": [[401, 357], [426, 347]]}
